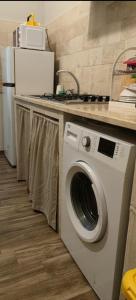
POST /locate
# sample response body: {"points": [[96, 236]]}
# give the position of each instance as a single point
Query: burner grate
{"points": [[83, 98]]}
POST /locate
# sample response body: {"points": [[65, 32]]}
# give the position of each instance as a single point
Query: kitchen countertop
{"points": [[119, 116]]}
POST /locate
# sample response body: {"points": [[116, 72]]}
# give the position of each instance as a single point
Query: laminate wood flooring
{"points": [[34, 263]]}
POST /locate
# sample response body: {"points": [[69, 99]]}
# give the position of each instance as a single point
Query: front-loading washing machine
{"points": [[97, 181]]}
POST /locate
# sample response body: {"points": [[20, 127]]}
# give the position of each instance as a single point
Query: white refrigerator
{"points": [[24, 72]]}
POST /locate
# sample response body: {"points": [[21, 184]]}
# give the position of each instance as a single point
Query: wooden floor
{"points": [[34, 263]]}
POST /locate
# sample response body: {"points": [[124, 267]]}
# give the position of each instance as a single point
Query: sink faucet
{"points": [[74, 77]]}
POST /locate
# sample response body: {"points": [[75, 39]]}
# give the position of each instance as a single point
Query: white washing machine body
{"points": [[97, 182]]}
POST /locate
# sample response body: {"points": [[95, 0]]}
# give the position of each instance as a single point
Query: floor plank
{"points": [[34, 263]]}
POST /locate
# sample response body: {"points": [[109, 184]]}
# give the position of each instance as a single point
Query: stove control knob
{"points": [[86, 141]]}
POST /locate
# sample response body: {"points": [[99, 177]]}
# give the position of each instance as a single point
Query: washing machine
{"points": [[97, 182]]}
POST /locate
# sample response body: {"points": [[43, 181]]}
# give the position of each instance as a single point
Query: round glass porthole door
{"points": [[86, 202]]}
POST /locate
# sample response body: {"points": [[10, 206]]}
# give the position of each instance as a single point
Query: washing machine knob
{"points": [[86, 141]]}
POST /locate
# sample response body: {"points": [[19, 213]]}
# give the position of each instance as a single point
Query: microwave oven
{"points": [[30, 37]]}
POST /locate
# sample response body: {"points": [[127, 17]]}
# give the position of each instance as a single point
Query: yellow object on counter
{"points": [[129, 285], [31, 21], [127, 80]]}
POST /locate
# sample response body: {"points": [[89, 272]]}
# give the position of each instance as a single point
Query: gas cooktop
{"points": [[74, 98]]}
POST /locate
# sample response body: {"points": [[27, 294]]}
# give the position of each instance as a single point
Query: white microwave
{"points": [[30, 37]]}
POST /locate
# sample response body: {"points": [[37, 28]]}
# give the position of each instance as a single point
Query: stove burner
{"points": [[94, 98], [75, 98], [60, 97]]}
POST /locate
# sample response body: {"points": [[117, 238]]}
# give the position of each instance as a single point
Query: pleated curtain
{"points": [[43, 167], [23, 141]]}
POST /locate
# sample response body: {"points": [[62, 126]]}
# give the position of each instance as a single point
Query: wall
{"points": [[85, 35], [11, 14], [88, 37], [54, 9], [18, 10]]}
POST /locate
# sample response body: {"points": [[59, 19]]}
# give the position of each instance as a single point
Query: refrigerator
{"points": [[24, 72]]}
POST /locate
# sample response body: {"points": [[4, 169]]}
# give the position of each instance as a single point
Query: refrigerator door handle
{"points": [[9, 84]]}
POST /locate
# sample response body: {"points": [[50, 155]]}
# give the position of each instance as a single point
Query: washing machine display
{"points": [[106, 147], [97, 181]]}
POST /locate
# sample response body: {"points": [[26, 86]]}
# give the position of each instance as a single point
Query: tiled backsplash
{"points": [[88, 38]]}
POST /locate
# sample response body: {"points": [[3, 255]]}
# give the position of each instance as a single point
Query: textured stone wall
{"points": [[88, 38]]}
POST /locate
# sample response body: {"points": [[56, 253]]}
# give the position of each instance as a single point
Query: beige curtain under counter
{"points": [[43, 168], [23, 141]]}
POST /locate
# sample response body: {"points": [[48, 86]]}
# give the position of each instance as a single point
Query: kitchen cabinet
{"points": [[130, 256], [44, 166], [1, 124], [130, 253], [22, 141], [39, 134], [96, 113]]}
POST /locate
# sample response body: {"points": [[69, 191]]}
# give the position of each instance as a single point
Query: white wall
{"points": [[18, 10], [54, 9]]}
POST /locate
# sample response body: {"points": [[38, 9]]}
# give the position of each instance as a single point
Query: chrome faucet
{"points": [[74, 77]]}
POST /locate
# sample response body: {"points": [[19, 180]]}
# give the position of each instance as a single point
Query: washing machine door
{"points": [[86, 204]]}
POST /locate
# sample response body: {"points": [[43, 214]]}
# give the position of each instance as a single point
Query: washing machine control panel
{"points": [[98, 144], [86, 141]]}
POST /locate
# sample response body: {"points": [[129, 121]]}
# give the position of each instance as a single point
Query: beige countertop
{"points": [[119, 116]]}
